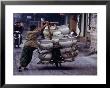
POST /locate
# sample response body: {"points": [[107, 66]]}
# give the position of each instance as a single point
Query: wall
{"points": [[93, 33]]}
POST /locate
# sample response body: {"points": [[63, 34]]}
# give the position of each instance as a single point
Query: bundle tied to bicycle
{"points": [[60, 37]]}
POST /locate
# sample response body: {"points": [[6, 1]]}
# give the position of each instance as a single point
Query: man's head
{"points": [[18, 23]]}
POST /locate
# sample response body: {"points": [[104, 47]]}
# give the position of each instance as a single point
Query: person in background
{"points": [[21, 31], [18, 27], [18, 30], [75, 31], [29, 46]]}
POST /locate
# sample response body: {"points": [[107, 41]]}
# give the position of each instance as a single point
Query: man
{"points": [[18, 29], [29, 46]]}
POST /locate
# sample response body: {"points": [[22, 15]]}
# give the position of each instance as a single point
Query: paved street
{"points": [[83, 65]]}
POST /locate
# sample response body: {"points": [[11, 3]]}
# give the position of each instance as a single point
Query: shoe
{"points": [[20, 69], [25, 68]]}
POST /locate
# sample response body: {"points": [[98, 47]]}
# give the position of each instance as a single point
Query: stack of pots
{"points": [[45, 47], [68, 50], [61, 36]]}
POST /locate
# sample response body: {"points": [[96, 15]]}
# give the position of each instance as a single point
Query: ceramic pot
{"points": [[65, 50], [46, 56], [44, 51], [46, 44], [46, 33], [64, 29], [65, 42], [45, 40], [55, 39], [57, 34], [68, 59], [66, 56]]}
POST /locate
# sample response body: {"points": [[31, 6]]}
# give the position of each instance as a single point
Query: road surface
{"points": [[83, 65]]}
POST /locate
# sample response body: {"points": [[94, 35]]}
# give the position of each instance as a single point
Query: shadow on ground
{"points": [[56, 68]]}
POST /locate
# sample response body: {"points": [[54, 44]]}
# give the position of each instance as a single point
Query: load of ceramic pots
{"points": [[66, 53], [59, 36], [45, 55], [69, 53], [45, 47]]}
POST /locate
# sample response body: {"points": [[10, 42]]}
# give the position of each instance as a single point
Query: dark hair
{"points": [[32, 27]]}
